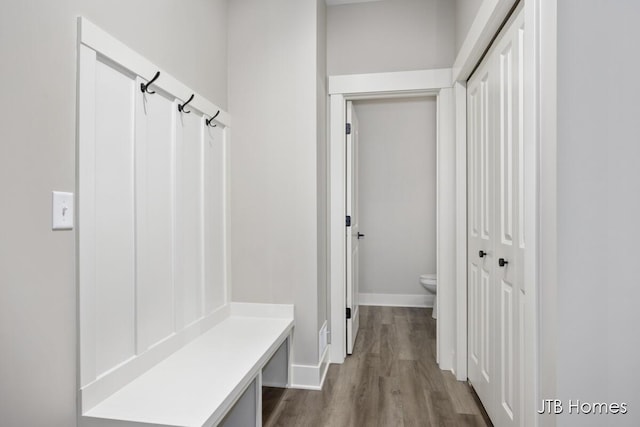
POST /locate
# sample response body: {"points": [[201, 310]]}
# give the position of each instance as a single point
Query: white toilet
{"points": [[429, 282]]}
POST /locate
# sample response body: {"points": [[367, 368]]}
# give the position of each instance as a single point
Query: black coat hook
{"points": [[181, 106], [209, 121], [145, 87]]}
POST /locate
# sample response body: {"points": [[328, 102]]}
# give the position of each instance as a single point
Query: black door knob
{"points": [[502, 262], [360, 235], [481, 254]]}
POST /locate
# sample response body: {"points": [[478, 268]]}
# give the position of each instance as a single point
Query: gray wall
{"points": [[37, 155], [273, 98], [466, 11], [397, 194], [598, 345], [390, 35]]}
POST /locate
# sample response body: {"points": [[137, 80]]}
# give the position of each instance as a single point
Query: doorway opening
{"points": [[435, 84], [391, 205]]}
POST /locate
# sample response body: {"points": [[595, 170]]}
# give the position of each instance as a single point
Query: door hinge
{"points": [[348, 313], [348, 128], [348, 221]]}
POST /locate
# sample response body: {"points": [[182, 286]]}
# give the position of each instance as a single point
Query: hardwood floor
{"points": [[392, 379]]}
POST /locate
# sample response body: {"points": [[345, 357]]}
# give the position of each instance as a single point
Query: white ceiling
{"points": [[338, 2]]}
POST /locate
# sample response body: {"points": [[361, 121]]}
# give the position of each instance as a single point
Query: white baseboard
{"points": [[309, 377], [397, 300]]}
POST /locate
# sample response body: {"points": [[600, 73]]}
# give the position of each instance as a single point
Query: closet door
{"points": [[495, 229], [481, 234], [509, 246]]}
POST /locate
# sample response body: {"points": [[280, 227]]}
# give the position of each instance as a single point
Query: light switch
{"points": [[62, 211]]}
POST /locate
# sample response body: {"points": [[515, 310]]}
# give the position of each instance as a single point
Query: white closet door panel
{"points": [[473, 171], [114, 218], [486, 336], [214, 218], [507, 365], [481, 230], [506, 145], [509, 221], [520, 138], [155, 145], [474, 317], [486, 159], [505, 209], [189, 219]]}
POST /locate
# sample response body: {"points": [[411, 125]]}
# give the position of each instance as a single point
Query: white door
{"points": [[481, 236], [509, 246], [352, 229], [496, 225]]}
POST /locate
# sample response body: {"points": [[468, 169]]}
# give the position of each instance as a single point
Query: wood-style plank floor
{"points": [[392, 379]]}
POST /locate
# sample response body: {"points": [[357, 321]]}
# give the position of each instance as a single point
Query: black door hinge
{"points": [[348, 221], [348, 128], [348, 313]]}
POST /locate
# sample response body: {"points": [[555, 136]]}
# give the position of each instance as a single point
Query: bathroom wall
{"points": [[37, 155], [397, 194], [390, 35]]}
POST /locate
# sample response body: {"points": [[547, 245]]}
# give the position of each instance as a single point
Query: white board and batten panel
{"points": [[113, 220], [155, 218], [189, 212], [215, 156], [153, 203]]}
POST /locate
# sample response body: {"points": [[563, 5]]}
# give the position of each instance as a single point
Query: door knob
{"points": [[360, 235], [502, 262], [481, 254]]}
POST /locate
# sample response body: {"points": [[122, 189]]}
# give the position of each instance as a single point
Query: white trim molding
{"points": [[446, 213], [435, 82], [397, 300], [380, 83], [310, 377], [540, 269], [337, 245], [460, 357], [95, 38]]}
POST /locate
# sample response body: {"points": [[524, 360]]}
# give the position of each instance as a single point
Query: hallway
{"points": [[391, 380]]}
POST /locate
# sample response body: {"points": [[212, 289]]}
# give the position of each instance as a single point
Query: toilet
{"points": [[429, 282]]}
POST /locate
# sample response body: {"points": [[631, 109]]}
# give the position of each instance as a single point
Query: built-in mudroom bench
{"points": [[214, 380], [160, 341]]}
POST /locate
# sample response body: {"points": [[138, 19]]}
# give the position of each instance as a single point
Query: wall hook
{"points": [[145, 87], [209, 121], [181, 106]]}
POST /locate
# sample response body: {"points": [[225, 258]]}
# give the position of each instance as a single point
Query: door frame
{"points": [[451, 239]]}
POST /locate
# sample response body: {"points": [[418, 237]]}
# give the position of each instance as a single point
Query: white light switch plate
{"points": [[62, 211]]}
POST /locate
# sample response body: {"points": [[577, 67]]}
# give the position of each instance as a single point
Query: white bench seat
{"points": [[199, 384]]}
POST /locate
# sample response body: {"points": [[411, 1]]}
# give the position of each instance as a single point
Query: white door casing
{"points": [[371, 86], [352, 230], [496, 227]]}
